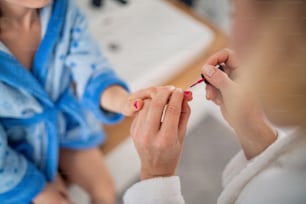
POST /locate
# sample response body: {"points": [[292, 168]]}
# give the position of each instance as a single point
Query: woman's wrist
{"points": [[149, 175], [255, 137]]}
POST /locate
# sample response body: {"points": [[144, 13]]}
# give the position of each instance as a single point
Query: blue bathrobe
{"points": [[41, 111]]}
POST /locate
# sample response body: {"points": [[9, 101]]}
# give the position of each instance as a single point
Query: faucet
{"points": [[99, 3]]}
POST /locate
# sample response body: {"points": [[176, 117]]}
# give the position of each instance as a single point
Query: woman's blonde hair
{"points": [[277, 66]]}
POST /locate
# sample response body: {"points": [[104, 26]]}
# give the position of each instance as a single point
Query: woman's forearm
{"points": [[256, 138]]}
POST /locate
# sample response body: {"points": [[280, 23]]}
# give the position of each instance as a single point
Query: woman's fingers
{"points": [[138, 123], [225, 56], [185, 114], [136, 100], [158, 103], [214, 95], [221, 83], [134, 125], [144, 94], [211, 92], [159, 144], [148, 93], [173, 112], [148, 119], [217, 78]]}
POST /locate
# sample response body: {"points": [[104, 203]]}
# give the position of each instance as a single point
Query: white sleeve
{"points": [[275, 185], [233, 168], [160, 190], [239, 162]]}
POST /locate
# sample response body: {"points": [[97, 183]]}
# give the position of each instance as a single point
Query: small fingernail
{"points": [[187, 93], [171, 88], [179, 90], [209, 70], [136, 105]]}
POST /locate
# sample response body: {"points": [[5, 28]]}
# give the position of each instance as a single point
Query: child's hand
{"points": [[118, 100], [134, 101], [55, 192]]}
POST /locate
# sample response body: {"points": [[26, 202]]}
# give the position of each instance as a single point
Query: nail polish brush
{"points": [[219, 66]]}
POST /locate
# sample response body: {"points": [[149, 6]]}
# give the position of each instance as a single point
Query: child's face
{"points": [[35, 4]]}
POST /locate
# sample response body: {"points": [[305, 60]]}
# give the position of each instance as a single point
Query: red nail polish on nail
{"points": [[187, 93], [136, 104]]}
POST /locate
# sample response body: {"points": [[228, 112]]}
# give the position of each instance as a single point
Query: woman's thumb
{"points": [[216, 77]]}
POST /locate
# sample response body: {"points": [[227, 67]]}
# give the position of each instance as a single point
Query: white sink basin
{"points": [[147, 41]]}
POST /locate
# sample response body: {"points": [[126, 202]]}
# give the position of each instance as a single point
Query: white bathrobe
{"points": [[276, 176]]}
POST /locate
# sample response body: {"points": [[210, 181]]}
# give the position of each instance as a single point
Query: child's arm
{"points": [[97, 86], [91, 72]]}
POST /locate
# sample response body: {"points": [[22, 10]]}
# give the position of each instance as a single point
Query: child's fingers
{"points": [[144, 94], [136, 101], [137, 105], [148, 93], [188, 95], [132, 107]]}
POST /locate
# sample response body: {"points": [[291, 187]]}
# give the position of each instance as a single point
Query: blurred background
{"points": [[216, 11], [155, 42]]}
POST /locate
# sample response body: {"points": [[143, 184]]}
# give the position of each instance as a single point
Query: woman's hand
{"points": [[55, 192], [223, 90], [159, 144], [239, 108]]}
